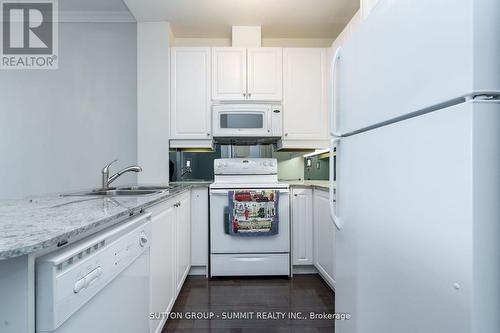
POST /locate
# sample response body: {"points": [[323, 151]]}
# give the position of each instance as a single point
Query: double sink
{"points": [[122, 191]]}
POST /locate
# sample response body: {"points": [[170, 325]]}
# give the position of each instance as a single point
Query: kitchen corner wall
{"points": [[290, 166], [59, 127], [153, 86]]}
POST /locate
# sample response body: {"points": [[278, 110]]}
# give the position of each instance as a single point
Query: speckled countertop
{"points": [[32, 224], [320, 184]]}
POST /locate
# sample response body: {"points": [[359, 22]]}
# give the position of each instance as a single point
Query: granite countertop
{"points": [[320, 184], [32, 224]]}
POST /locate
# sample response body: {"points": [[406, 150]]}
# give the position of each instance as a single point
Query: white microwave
{"points": [[247, 121]]}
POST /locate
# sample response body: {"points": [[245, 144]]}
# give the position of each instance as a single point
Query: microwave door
{"points": [[243, 124]]}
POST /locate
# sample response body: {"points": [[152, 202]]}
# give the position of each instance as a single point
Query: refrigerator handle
{"points": [[333, 210], [333, 113]]}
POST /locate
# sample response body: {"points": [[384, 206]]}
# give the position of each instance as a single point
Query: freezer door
{"points": [[407, 247], [410, 55]]}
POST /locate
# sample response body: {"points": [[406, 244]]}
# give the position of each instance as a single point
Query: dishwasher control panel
{"points": [[70, 277]]}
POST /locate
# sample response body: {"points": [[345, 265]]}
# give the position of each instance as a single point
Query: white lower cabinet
{"points": [[302, 232], [199, 227], [324, 237], [162, 264], [170, 255], [183, 240], [313, 233]]}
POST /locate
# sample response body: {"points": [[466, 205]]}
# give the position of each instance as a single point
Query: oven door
{"points": [[242, 120], [221, 242]]}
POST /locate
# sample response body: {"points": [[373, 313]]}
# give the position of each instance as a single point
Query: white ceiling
{"points": [[278, 18]]}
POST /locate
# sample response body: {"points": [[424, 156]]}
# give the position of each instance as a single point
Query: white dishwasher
{"points": [[99, 284]]}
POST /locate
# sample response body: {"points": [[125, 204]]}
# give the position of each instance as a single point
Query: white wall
{"points": [[153, 101], [290, 165], [58, 128], [367, 6]]}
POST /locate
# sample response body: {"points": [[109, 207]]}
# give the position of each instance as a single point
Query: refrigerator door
{"points": [[411, 55], [413, 237]]}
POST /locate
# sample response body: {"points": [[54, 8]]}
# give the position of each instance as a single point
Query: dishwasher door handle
{"points": [[86, 281]]}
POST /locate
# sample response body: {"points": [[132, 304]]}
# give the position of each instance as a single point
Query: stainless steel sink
{"points": [[144, 188], [114, 192]]}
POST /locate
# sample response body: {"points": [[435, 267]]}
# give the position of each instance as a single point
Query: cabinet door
{"points": [[265, 74], [162, 261], [302, 219], [186, 218], [229, 79], [304, 94], [324, 237], [199, 226], [190, 113], [183, 241]]}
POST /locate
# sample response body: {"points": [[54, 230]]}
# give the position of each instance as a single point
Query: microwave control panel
{"points": [[277, 120]]}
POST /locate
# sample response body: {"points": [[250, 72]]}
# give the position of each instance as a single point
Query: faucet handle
{"points": [[106, 168]]}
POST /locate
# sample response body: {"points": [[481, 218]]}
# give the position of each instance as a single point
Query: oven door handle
{"points": [[219, 192]]}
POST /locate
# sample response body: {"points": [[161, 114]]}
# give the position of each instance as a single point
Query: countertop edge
{"points": [[92, 228]]}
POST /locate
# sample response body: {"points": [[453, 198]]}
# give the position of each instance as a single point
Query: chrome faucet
{"points": [[106, 179]]}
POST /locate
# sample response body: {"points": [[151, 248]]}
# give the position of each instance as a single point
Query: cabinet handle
{"points": [[249, 95], [208, 134], [286, 134], [244, 95]]}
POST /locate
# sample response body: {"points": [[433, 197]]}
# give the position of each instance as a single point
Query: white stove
{"points": [[233, 255]]}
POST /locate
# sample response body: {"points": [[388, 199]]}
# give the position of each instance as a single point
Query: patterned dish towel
{"points": [[253, 213]]}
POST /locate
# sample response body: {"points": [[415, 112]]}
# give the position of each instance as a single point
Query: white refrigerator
{"points": [[416, 126]]}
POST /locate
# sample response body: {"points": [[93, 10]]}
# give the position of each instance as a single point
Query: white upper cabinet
{"points": [[229, 79], [190, 117], [305, 113], [241, 74], [265, 74]]}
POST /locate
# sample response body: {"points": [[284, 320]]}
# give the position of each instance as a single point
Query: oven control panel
{"points": [[246, 166]]}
